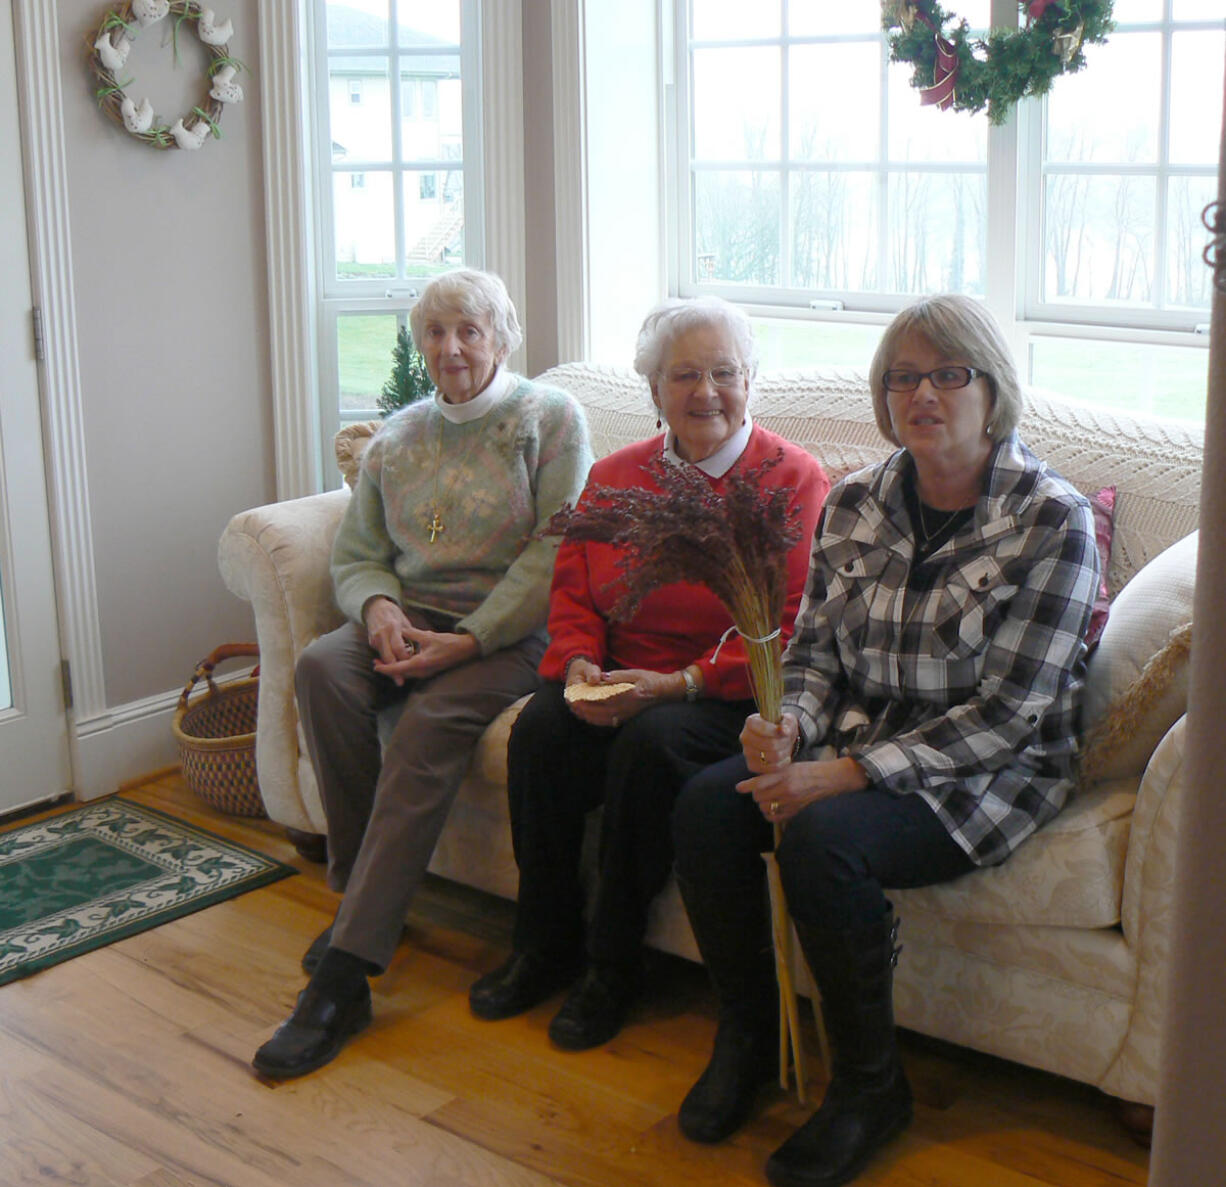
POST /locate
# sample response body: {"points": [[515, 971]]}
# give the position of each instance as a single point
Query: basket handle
{"points": [[204, 669]]}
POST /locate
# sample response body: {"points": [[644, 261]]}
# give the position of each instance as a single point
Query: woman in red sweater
{"points": [[682, 705]]}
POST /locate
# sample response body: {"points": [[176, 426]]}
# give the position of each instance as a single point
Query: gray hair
{"points": [[960, 328], [677, 316], [472, 294]]}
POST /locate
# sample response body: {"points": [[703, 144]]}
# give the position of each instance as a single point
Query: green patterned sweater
{"points": [[499, 480]]}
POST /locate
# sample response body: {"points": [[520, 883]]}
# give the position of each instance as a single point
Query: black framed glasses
{"points": [[947, 379], [688, 378]]}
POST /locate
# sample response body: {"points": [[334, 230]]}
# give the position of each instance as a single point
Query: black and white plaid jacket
{"points": [[958, 678]]}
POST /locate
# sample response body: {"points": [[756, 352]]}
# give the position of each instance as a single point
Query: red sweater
{"points": [[679, 624]]}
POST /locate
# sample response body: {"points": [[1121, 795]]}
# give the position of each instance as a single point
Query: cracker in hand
{"points": [[594, 692]]}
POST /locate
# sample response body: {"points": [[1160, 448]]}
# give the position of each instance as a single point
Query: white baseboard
{"points": [[126, 742]]}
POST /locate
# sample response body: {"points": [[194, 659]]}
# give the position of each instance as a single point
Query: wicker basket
{"points": [[216, 736]]}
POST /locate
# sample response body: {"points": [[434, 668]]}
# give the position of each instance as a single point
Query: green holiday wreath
{"points": [[953, 69]]}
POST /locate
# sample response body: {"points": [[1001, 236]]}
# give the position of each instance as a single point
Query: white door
{"points": [[33, 726]]}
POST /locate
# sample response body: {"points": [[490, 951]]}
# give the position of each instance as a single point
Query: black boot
{"points": [[868, 1100], [734, 941]]}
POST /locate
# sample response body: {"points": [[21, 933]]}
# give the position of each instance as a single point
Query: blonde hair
{"points": [[960, 328]]}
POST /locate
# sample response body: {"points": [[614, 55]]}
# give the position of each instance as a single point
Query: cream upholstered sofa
{"points": [[1055, 959]]}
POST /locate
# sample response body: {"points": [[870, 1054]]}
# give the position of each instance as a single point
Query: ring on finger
{"points": [[773, 807], [762, 755]]}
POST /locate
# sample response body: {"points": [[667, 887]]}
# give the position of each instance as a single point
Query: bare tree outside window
{"points": [[819, 187]]}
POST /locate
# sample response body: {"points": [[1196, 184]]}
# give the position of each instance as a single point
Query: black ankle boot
{"points": [[868, 1100], [734, 940]]}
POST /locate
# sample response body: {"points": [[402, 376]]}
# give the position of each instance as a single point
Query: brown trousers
{"points": [[386, 804]]}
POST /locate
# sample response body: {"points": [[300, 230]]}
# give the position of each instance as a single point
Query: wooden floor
{"points": [[129, 1066]]}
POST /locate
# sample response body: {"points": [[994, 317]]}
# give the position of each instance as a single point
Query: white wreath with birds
{"points": [[109, 53]]}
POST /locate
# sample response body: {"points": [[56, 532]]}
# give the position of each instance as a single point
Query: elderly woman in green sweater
{"points": [[439, 567]]}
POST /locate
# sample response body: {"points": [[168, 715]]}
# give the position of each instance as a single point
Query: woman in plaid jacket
{"points": [[929, 727]]}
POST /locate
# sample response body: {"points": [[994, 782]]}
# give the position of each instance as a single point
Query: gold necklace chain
{"points": [[948, 518], [436, 527]]}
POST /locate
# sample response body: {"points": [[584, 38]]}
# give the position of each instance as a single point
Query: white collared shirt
{"points": [[722, 460], [500, 386]]}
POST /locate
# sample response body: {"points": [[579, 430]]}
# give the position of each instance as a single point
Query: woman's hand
{"points": [[768, 746], [581, 670], [781, 787], [387, 631], [781, 794], [406, 652], [650, 688], [434, 652]]}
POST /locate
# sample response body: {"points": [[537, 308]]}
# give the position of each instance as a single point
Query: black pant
{"points": [[559, 769], [835, 857]]}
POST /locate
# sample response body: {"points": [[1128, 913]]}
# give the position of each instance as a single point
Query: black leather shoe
{"points": [[516, 986], [742, 1062], [319, 945], [313, 1034], [594, 1011]]}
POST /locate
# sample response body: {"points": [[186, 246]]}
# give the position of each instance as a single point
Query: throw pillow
{"points": [[1102, 503], [1122, 741], [348, 445], [1144, 614]]}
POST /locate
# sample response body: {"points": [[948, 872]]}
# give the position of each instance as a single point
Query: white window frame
{"points": [[396, 294], [1013, 270], [301, 430]]}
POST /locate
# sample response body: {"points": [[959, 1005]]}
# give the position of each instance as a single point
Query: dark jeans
{"points": [[558, 770], [835, 857]]}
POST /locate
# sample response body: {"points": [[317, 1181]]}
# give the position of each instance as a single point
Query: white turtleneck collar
{"points": [[722, 460], [502, 384]]}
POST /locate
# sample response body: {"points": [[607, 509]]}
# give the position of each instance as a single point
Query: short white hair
{"points": [[677, 316], [471, 293]]}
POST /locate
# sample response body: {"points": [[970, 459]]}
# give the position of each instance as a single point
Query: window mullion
{"points": [[883, 173], [785, 157], [398, 173], [1163, 179]]}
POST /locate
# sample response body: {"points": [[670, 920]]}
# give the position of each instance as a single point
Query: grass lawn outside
{"points": [[1165, 381], [364, 345]]}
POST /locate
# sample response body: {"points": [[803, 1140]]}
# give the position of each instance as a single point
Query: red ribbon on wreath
{"points": [[944, 71]]}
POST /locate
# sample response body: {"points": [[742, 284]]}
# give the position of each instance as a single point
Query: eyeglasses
{"points": [[688, 378], [945, 378]]}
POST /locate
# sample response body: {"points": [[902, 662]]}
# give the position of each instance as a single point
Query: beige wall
{"points": [[170, 296]]}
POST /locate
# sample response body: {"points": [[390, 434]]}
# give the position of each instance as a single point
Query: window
{"points": [[355, 90], [385, 222], [814, 189]]}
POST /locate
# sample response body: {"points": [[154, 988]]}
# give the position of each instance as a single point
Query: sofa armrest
{"points": [[1147, 912], [276, 557]]}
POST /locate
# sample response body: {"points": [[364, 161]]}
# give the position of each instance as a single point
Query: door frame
{"points": [[38, 48]]}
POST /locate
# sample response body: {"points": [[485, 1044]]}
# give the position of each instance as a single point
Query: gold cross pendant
{"points": [[434, 527]]}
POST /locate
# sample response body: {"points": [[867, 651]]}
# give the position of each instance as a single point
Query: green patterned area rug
{"points": [[105, 871]]}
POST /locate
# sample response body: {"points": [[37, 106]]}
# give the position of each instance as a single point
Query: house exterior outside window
{"points": [[397, 193]]}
